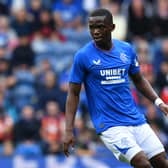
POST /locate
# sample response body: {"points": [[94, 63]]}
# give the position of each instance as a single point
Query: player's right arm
{"points": [[75, 81], [71, 108]]}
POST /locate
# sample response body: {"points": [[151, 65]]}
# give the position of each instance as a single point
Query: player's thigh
{"points": [[159, 161], [121, 142], [148, 141], [140, 160]]}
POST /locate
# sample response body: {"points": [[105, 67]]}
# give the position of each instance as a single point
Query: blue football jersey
{"points": [[105, 75]]}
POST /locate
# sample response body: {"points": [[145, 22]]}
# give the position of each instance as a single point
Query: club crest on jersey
{"points": [[97, 62], [123, 58]]}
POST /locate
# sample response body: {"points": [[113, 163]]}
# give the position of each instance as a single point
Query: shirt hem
{"points": [[122, 124]]}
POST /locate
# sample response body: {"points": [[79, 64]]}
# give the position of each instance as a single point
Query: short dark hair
{"points": [[103, 12]]}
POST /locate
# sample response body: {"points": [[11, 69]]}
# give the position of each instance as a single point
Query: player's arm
{"points": [[71, 108], [146, 89], [144, 86]]}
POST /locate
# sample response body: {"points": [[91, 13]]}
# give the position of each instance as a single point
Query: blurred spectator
{"points": [[119, 21], [160, 20], [4, 67], [45, 36], [88, 5], [164, 94], [105, 4], [6, 126], [83, 107], [4, 86], [5, 62], [27, 127], [68, 18], [144, 52], [64, 79], [4, 9], [24, 92], [84, 143], [52, 126], [162, 76], [118, 18], [6, 104], [8, 149], [24, 77], [50, 91], [161, 54], [40, 70], [45, 27], [3, 46], [21, 23], [152, 115], [67, 15], [138, 21], [35, 9], [6, 130], [84, 137], [26, 133], [6, 30], [16, 5], [80, 125], [23, 55], [145, 59]]}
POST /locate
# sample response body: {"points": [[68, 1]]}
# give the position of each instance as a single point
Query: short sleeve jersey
{"points": [[105, 75]]}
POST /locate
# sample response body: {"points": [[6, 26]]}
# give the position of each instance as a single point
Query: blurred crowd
{"points": [[38, 39]]}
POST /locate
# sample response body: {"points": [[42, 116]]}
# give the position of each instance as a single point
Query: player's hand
{"points": [[69, 142], [164, 108]]}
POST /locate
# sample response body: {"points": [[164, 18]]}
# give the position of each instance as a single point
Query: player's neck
{"points": [[104, 46]]}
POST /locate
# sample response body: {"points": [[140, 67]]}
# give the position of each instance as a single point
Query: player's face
{"points": [[100, 29]]}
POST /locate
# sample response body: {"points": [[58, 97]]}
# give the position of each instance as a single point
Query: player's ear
{"points": [[112, 27]]}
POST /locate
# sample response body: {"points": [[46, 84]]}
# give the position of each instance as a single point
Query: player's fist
{"points": [[164, 108], [69, 141]]}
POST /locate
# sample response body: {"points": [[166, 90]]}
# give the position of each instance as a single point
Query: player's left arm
{"points": [[146, 89]]}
